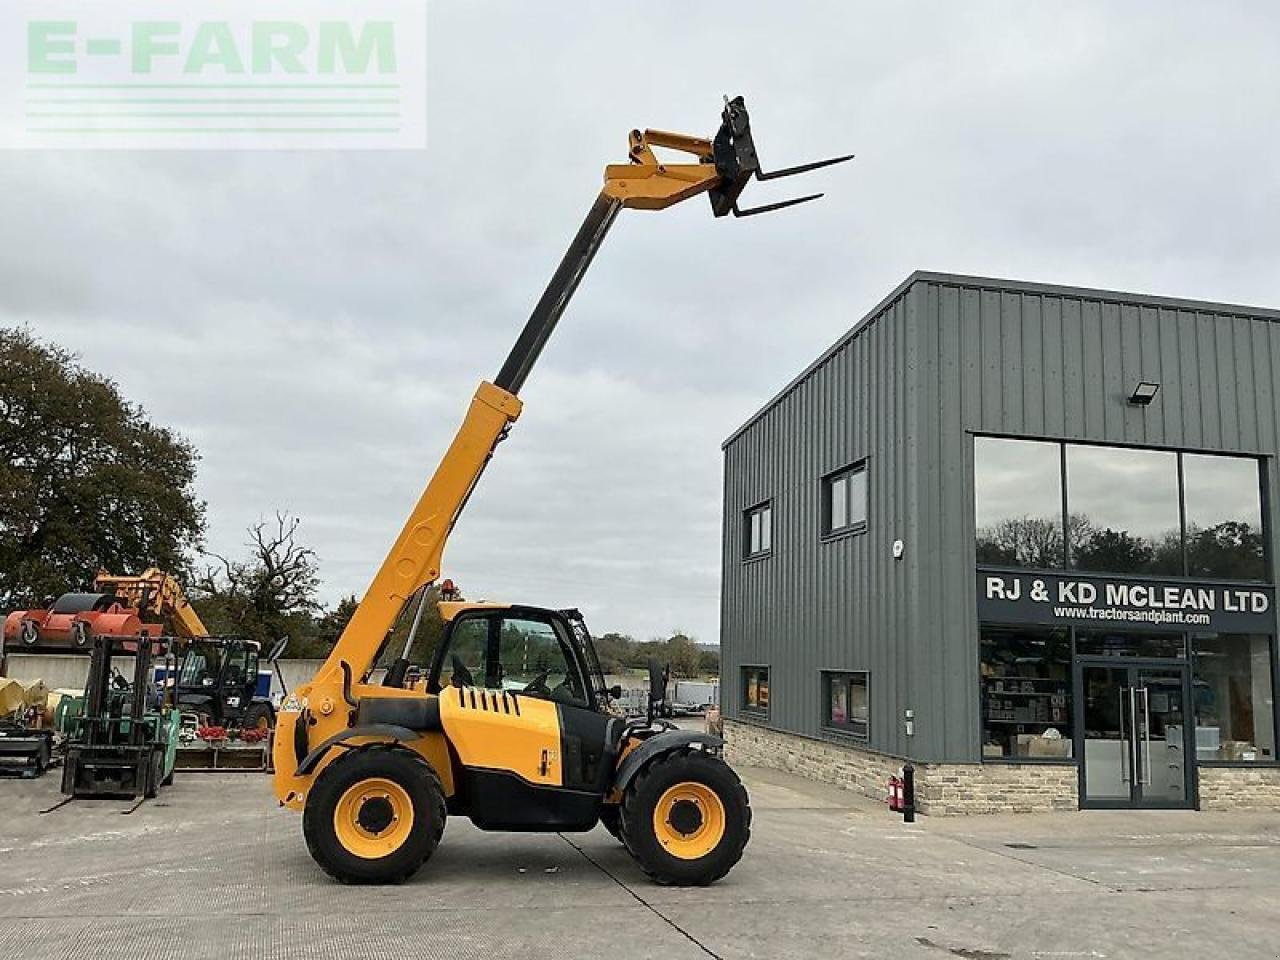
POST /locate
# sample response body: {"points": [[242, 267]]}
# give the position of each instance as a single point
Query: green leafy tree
{"points": [[682, 655], [331, 623], [616, 652], [86, 480]]}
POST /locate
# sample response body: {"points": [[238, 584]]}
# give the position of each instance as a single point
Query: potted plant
{"points": [[215, 737]]}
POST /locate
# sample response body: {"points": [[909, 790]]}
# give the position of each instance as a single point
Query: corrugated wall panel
{"points": [[817, 605], [943, 359]]}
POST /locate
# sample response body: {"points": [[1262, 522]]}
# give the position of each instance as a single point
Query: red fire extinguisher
{"points": [[895, 794]]}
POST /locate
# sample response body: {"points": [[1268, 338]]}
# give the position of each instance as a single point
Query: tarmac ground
{"points": [[213, 869]]}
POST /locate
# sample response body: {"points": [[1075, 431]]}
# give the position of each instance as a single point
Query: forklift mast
{"points": [[721, 168]]}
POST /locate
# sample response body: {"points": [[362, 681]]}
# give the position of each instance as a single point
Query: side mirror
{"points": [[615, 692], [657, 683], [278, 650]]}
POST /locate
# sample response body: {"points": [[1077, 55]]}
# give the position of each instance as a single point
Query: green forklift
{"points": [[123, 742]]}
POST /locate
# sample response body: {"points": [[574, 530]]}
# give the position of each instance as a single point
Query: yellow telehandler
{"points": [[511, 725]]}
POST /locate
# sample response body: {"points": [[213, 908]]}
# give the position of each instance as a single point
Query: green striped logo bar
{"points": [[213, 74]]}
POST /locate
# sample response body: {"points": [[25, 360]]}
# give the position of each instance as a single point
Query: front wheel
{"points": [[375, 815], [156, 775], [686, 818], [611, 820]]}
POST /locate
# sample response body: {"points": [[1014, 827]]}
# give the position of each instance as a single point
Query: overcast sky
{"points": [[316, 322]]}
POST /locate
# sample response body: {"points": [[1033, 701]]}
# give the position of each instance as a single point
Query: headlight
{"points": [[293, 704]]}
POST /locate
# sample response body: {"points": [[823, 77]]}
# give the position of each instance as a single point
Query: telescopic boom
{"points": [[722, 169]]}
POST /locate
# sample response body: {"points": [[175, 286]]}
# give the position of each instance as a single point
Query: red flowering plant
{"points": [[212, 734]]}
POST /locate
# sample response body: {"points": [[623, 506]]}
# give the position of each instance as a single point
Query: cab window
{"points": [[197, 668], [468, 646], [534, 659], [236, 671]]}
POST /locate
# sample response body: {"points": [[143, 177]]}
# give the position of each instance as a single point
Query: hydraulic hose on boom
{"points": [[723, 166]]}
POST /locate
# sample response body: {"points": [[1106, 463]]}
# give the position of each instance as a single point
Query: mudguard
{"points": [[656, 746], [394, 733]]}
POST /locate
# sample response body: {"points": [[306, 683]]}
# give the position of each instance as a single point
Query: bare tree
{"points": [[269, 593]]}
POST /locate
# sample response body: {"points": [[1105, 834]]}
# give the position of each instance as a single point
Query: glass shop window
{"points": [[1234, 705], [1122, 510], [1223, 500], [1026, 694], [1110, 643], [755, 690], [1018, 502], [847, 703]]}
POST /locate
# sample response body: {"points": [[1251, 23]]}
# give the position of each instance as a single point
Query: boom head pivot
{"points": [[736, 160], [726, 164]]}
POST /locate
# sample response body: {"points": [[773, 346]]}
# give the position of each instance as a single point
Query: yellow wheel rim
{"points": [[373, 818], [689, 820]]}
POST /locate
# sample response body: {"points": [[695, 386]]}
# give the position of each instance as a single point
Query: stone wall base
{"points": [[1237, 788], [942, 789]]}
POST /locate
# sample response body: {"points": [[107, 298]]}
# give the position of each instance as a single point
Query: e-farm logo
{"points": [[213, 74]]}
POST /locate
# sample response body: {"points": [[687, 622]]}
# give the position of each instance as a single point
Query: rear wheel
{"points": [[374, 815], [686, 818], [257, 716]]}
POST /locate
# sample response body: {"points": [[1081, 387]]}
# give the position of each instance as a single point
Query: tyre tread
{"points": [[630, 817], [436, 822]]}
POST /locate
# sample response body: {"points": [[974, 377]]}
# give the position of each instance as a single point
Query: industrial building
{"points": [[1021, 536]]}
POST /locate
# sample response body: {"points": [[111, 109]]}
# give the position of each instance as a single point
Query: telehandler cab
{"points": [[512, 726]]}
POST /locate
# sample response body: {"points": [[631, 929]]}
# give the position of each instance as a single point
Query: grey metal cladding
{"points": [[942, 358], [815, 605]]}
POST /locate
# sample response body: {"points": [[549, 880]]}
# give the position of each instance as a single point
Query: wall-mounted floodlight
{"points": [[1144, 393]]}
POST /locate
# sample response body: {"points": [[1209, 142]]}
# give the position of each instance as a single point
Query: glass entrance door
{"points": [[1134, 735]]}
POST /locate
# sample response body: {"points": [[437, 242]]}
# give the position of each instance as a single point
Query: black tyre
{"points": [[156, 774], [611, 820], [375, 815], [29, 633], [686, 818], [80, 634], [258, 715]]}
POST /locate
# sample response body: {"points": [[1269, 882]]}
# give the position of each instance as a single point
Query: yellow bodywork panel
{"points": [[497, 730], [415, 557], [155, 592], [328, 714], [451, 608]]}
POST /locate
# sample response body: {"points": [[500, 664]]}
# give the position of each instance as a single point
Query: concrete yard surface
{"points": [[213, 869]]}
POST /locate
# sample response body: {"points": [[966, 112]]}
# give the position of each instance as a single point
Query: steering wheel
{"points": [[538, 684], [461, 675]]}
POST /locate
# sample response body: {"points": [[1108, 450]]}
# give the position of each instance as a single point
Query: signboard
{"points": [[1124, 603]]}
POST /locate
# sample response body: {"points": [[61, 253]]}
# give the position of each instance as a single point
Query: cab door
{"points": [[536, 654], [521, 719]]}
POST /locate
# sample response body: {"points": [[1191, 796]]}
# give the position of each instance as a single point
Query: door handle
{"points": [[545, 764], [1146, 736], [1134, 773], [1126, 748]]}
